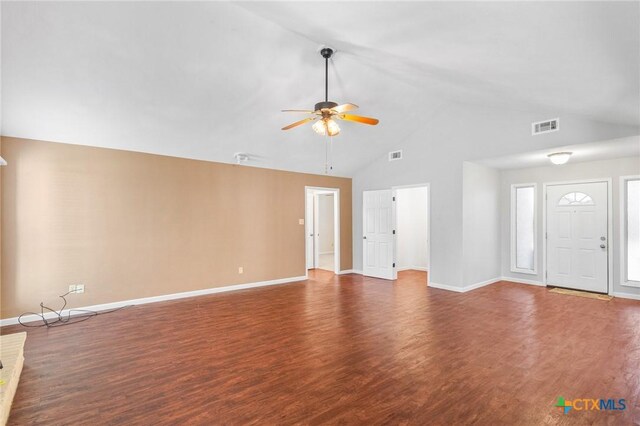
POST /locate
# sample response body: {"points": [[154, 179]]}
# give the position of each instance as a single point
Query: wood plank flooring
{"points": [[338, 350]]}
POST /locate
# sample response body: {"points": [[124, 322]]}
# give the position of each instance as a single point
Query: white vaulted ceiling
{"points": [[206, 80]]}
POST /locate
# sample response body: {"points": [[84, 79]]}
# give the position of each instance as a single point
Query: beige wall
{"points": [[131, 225]]}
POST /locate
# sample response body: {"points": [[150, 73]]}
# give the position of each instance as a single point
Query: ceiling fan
{"points": [[325, 113]]}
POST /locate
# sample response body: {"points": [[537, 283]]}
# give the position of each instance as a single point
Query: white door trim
{"points": [[395, 226], [336, 228], [316, 234], [610, 236], [309, 231]]}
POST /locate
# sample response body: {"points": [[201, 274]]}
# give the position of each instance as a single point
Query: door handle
{"points": [[364, 238], [603, 246]]}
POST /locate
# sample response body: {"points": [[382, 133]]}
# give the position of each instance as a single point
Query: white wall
{"points": [[480, 223], [435, 153], [411, 228], [587, 170], [326, 223]]}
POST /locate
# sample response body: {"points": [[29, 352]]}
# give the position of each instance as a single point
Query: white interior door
{"points": [[308, 220], [577, 240], [377, 244]]}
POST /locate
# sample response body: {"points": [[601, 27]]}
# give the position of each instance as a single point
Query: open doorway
{"points": [[412, 232], [322, 225], [393, 217]]}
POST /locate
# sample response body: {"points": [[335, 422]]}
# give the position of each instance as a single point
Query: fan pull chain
{"points": [[328, 155], [331, 154], [326, 158]]}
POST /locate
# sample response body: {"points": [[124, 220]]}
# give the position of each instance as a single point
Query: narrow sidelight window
{"points": [[523, 228], [630, 221]]}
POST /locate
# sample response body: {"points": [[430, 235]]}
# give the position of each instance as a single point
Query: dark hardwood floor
{"points": [[338, 350]]}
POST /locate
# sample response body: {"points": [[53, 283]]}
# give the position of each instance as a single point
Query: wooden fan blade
{"points": [[344, 108], [308, 111], [298, 123], [359, 119]]}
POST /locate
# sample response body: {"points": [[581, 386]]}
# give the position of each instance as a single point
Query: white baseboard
{"points": [[153, 299], [519, 281], [413, 268], [482, 284], [350, 271], [626, 295], [466, 288], [523, 281], [446, 287]]}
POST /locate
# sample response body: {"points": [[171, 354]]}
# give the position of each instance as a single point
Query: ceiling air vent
{"points": [[545, 126], [395, 155]]}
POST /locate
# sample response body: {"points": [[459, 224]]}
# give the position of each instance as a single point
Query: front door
{"points": [[577, 239], [377, 244]]}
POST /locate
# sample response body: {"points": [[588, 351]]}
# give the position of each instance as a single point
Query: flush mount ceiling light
{"points": [[559, 157], [325, 113]]}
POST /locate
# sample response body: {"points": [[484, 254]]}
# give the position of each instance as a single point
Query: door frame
{"points": [[316, 226], [610, 236], [309, 216], [394, 217], [336, 226]]}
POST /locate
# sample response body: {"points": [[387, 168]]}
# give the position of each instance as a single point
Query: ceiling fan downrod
{"points": [[326, 53]]}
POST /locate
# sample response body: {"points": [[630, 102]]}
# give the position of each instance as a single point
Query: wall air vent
{"points": [[395, 155], [545, 126]]}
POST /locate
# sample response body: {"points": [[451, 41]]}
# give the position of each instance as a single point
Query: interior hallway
{"points": [[326, 262]]}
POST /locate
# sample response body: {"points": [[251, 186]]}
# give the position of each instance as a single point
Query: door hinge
{"points": [[394, 232], [394, 265], [394, 198]]}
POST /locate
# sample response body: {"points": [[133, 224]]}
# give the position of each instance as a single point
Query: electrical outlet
{"points": [[300, 221], [72, 288], [80, 288], [240, 270]]}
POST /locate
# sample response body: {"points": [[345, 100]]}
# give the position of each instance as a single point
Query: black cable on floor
{"points": [[61, 319]]}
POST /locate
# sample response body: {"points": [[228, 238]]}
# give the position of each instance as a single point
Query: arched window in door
{"points": [[576, 199]]}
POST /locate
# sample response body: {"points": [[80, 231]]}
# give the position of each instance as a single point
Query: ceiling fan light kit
{"points": [[326, 127], [326, 112]]}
